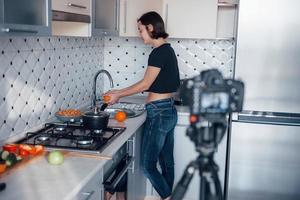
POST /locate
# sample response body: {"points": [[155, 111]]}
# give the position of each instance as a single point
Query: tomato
{"points": [[23, 153], [120, 116], [29, 148], [12, 148], [39, 149]]}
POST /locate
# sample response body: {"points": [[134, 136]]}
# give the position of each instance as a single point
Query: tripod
{"points": [[206, 140]]}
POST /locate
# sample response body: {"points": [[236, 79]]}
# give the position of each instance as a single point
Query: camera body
{"points": [[212, 97]]}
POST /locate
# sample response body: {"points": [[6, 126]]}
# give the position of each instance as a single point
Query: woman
{"points": [[161, 80]]}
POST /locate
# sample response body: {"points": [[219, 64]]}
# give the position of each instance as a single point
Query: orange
{"points": [[106, 98], [120, 116]]}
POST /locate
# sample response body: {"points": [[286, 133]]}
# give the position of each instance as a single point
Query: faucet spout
{"points": [[95, 84]]}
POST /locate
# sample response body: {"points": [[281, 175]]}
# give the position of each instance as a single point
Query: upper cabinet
{"points": [[190, 18], [204, 19], [131, 10], [105, 17], [227, 18], [71, 17], [25, 18]]}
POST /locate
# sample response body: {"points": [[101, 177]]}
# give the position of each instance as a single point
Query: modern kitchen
{"points": [[59, 139]]}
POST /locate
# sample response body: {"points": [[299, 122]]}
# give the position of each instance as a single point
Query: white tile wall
{"points": [[126, 58], [38, 76]]}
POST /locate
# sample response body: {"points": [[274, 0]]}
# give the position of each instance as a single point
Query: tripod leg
{"points": [[184, 182], [210, 186]]}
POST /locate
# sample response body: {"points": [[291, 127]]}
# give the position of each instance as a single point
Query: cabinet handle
{"points": [[88, 194], [167, 16], [10, 30], [125, 16], [76, 6]]}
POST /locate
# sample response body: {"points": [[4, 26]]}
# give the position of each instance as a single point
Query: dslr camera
{"points": [[211, 96]]}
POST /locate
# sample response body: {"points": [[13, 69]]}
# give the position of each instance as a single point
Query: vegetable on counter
{"points": [[55, 157], [2, 166], [11, 159], [13, 148]]}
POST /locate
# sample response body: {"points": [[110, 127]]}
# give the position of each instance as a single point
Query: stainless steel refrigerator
{"points": [[264, 150]]}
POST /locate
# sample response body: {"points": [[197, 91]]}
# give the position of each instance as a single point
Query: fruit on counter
{"points": [[55, 157], [13, 148], [120, 116]]}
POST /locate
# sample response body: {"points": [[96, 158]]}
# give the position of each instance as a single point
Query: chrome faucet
{"points": [[94, 99]]}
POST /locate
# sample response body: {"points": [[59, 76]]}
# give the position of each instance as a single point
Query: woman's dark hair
{"points": [[157, 22]]}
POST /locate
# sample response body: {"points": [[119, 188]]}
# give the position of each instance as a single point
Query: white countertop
{"points": [[39, 180]]}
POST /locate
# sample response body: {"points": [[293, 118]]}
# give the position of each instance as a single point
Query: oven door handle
{"points": [[114, 183]]}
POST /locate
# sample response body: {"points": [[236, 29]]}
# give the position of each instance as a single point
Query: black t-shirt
{"points": [[168, 79]]}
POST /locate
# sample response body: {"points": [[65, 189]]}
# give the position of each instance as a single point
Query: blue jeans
{"points": [[158, 145]]}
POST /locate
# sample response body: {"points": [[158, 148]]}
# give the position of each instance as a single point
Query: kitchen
{"points": [[52, 63]]}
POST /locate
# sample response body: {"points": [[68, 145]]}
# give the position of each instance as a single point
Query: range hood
{"points": [[70, 17]]}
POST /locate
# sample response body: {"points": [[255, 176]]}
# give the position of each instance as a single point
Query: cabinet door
{"points": [[136, 178], [26, 17], [190, 18], [92, 190], [131, 10], [105, 17], [82, 7]]}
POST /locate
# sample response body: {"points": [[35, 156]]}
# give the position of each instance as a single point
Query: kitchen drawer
{"points": [[73, 6], [92, 190]]}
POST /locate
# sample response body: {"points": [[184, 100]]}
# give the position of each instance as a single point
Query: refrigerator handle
{"points": [[264, 117]]}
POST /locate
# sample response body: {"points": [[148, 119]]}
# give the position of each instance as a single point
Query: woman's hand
{"points": [[114, 96]]}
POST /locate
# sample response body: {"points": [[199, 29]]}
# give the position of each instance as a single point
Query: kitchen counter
{"points": [[40, 180]]}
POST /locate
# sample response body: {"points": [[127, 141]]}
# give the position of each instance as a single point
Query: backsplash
{"points": [[38, 76], [126, 58]]}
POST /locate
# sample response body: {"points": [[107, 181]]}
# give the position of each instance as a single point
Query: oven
{"points": [[117, 170]]}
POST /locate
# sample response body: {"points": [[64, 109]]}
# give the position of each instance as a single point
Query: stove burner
{"points": [[43, 138], [84, 141], [60, 128], [97, 131]]}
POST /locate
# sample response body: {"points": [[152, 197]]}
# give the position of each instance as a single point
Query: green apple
{"points": [[55, 157]]}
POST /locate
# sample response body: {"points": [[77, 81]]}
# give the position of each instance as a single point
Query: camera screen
{"points": [[215, 102]]}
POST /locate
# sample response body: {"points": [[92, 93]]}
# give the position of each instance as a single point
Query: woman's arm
{"points": [[144, 84]]}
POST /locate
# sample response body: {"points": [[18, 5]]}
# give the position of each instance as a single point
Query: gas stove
{"points": [[72, 137]]}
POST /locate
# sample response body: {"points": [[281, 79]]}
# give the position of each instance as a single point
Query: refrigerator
{"points": [[263, 161]]}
